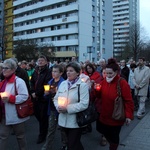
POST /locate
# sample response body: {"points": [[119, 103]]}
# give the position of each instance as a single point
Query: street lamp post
{"points": [[89, 50]]}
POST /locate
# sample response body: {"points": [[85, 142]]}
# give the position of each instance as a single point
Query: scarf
{"points": [[70, 83]]}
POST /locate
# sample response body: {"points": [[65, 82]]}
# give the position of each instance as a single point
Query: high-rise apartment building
{"points": [[81, 28], [7, 29], [1, 28], [125, 14]]}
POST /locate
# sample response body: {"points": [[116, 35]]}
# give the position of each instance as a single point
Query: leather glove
{"points": [[128, 120]]}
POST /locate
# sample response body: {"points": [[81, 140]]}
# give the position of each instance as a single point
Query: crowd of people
{"points": [[59, 105]]}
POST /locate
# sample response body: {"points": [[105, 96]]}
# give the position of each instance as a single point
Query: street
{"points": [[90, 140]]}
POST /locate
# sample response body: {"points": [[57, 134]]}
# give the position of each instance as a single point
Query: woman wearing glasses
{"points": [[8, 100]]}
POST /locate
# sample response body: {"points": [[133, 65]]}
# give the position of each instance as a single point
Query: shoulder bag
{"points": [[119, 111], [24, 109], [87, 116]]}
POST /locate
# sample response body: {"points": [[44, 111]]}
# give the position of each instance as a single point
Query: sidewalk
{"points": [[139, 138]]}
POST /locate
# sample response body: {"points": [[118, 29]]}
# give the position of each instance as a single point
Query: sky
{"points": [[145, 15]]}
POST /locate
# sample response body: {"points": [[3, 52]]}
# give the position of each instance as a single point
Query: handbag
{"points": [[119, 111], [24, 109], [87, 116]]}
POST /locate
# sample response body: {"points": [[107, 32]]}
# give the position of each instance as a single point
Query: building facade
{"points": [[75, 27], [1, 28], [125, 14], [8, 29]]}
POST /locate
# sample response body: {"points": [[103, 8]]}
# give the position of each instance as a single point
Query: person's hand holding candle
{"points": [[4, 97], [97, 87], [46, 89], [62, 103]]}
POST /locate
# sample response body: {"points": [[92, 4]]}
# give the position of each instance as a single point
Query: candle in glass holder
{"points": [[97, 87], [4, 94], [62, 101], [47, 87]]}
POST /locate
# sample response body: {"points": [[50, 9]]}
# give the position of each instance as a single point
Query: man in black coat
{"points": [[21, 73], [124, 70], [40, 77]]}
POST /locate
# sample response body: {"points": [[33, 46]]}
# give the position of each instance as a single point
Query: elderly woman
{"points": [[8, 100], [68, 94]]}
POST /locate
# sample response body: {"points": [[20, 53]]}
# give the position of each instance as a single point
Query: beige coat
{"points": [[141, 78]]}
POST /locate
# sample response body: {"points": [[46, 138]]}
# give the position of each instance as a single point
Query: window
{"points": [[103, 31], [93, 29], [93, 19], [93, 8], [103, 51], [103, 22], [103, 41], [103, 12]]}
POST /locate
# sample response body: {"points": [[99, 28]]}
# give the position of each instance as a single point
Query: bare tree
{"points": [[145, 52], [135, 43]]}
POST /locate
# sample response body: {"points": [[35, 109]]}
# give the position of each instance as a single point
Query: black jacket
{"points": [[39, 79], [125, 73]]}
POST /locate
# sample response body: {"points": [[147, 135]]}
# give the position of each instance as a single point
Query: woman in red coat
{"points": [[109, 127], [95, 77]]}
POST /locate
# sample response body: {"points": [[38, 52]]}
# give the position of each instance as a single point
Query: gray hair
{"points": [[102, 60], [11, 63]]}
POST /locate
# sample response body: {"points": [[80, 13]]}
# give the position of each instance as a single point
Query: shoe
{"points": [[40, 140], [63, 148], [141, 116], [103, 141]]}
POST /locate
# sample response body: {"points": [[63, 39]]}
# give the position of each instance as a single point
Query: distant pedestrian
{"points": [[141, 83], [101, 65], [130, 82], [124, 70]]}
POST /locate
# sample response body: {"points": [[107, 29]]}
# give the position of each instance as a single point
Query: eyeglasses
{"points": [[5, 68]]}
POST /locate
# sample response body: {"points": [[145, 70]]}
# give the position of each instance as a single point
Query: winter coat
{"points": [[108, 94], [97, 79], [86, 79], [38, 80], [68, 119], [22, 73], [141, 78], [22, 95], [130, 81], [48, 97], [125, 73]]}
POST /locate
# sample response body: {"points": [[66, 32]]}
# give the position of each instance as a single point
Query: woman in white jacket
{"points": [[8, 100], [68, 93]]}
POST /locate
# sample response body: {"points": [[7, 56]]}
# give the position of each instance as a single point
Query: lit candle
{"points": [[62, 101], [46, 88], [82, 80], [4, 94], [29, 77], [98, 87]]}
